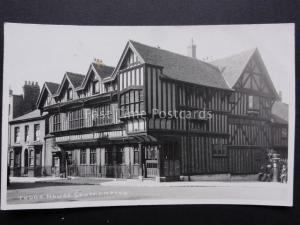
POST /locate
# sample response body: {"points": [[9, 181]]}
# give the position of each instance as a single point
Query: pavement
{"points": [[26, 190], [135, 182]]}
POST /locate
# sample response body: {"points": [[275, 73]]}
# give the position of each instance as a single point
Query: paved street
{"points": [[108, 189]]}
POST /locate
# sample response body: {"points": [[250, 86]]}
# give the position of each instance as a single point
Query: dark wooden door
{"points": [[26, 162], [17, 162], [170, 159]]}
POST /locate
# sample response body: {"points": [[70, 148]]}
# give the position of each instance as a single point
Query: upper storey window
{"points": [[36, 132], [96, 87], [130, 60], [48, 101], [253, 103], [134, 77], [17, 134], [70, 94]]}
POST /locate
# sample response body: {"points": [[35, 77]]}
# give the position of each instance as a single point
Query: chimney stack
{"points": [[191, 50], [98, 61], [31, 91]]}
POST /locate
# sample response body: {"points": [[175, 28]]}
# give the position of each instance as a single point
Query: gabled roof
{"points": [[233, 66], [103, 70], [52, 87], [33, 115], [280, 112], [180, 67], [75, 78]]}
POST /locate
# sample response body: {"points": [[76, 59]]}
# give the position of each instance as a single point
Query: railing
{"points": [[32, 171], [116, 171], [79, 123], [113, 171]]}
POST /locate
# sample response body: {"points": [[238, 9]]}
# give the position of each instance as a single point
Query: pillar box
{"points": [[275, 161]]}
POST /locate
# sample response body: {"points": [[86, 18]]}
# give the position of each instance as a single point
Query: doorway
{"points": [[170, 158], [26, 162], [151, 161]]}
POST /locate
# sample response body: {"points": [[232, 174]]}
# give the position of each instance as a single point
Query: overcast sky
{"points": [[45, 52]]}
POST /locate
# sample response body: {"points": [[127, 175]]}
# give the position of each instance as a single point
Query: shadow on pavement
{"points": [[14, 186]]}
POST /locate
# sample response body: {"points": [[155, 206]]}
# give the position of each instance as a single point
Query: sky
{"points": [[45, 52]]}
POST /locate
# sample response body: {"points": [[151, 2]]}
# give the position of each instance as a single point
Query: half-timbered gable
{"points": [[130, 78], [46, 95], [250, 106], [67, 89], [93, 82]]}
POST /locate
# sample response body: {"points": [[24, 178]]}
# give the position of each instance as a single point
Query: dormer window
{"points": [[48, 100], [70, 94], [96, 87]]}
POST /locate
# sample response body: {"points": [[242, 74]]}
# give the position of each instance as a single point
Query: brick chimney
{"points": [[31, 92], [98, 62], [191, 50]]}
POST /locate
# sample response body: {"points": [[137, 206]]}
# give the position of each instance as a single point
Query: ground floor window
{"points": [[120, 156], [219, 150], [31, 157], [56, 161], [151, 152], [69, 157], [82, 156], [136, 156], [108, 156], [38, 158], [11, 158], [92, 156]]}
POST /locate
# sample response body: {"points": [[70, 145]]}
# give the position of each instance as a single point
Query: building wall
{"points": [[30, 144]]}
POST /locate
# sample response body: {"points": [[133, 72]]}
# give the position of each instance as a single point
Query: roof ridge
{"points": [[175, 53], [102, 65], [48, 82], [72, 73], [252, 50]]}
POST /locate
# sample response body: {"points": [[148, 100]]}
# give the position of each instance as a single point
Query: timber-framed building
{"points": [[103, 123]]}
